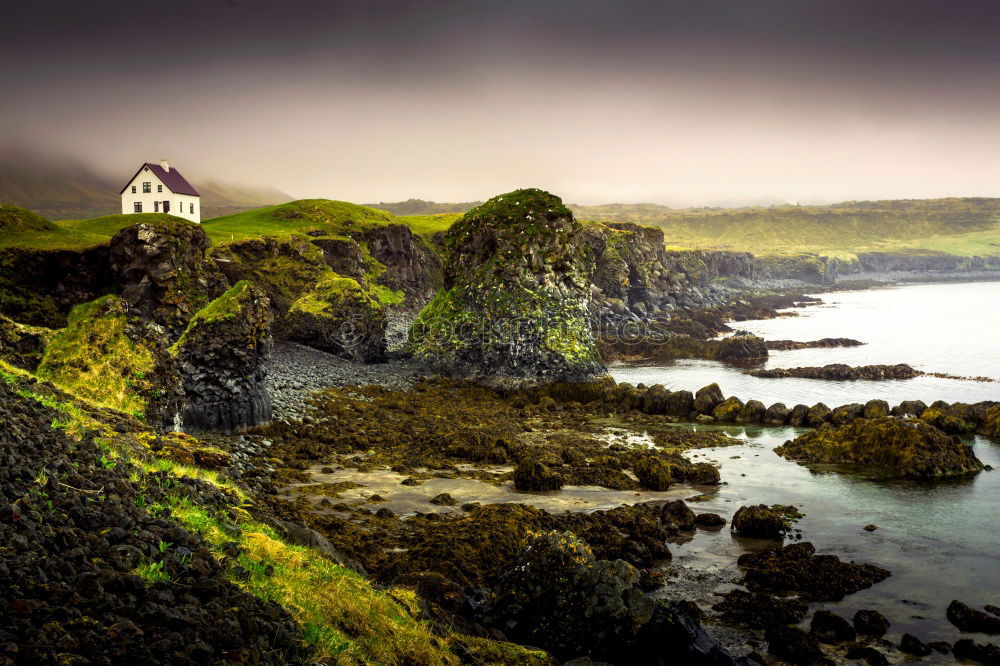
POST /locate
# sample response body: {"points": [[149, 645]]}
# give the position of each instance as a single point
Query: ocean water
{"points": [[951, 328]]}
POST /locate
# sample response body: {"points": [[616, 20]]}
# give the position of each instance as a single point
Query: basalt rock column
{"points": [[222, 356], [514, 304]]}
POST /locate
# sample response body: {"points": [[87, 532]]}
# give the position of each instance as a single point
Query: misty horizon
{"points": [[716, 104]]}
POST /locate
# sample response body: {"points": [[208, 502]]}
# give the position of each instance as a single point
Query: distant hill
{"points": [[421, 207], [959, 225], [65, 188]]}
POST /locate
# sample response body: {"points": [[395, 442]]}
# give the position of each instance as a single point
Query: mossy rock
{"points": [[707, 398], [534, 475], [187, 450], [704, 474], [955, 419], [653, 473], [799, 416], [817, 415], [223, 355], [340, 317], [758, 522], [22, 345], [846, 413], [909, 448], [517, 278], [777, 414], [728, 410], [876, 409], [111, 358], [990, 427]]}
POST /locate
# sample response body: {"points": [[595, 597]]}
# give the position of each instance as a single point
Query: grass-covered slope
{"points": [[966, 226]]}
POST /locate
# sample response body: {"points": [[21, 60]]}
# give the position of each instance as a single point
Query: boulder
{"points": [[899, 447], [752, 412], [680, 403], [828, 627], [162, 271], [870, 623], [728, 410], [338, 316], [777, 414], [707, 398], [956, 419], [679, 514], [709, 520], [910, 644], [794, 645], [817, 415], [653, 473], [223, 355], [741, 346], [115, 359], [759, 522], [703, 474], [981, 653], [967, 618], [846, 413], [799, 415], [990, 425], [876, 409], [535, 475], [514, 302], [559, 596], [911, 408]]}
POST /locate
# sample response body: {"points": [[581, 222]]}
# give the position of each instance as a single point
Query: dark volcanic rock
{"points": [[759, 611], [870, 623], [759, 522], [709, 520], [162, 271], [841, 372], [911, 408], [828, 627], [983, 653], [514, 304], [910, 644], [794, 645], [222, 356], [412, 266], [816, 577], [707, 398], [68, 561], [22, 345], [902, 447], [970, 619], [813, 344], [338, 316], [777, 414]]}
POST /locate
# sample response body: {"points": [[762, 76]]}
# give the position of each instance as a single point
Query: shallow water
{"points": [[951, 328], [939, 540]]}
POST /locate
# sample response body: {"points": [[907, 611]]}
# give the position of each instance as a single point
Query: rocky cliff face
{"points": [[411, 266], [39, 287], [222, 356], [514, 304], [161, 271]]}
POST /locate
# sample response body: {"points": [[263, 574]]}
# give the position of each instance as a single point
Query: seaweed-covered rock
{"points": [[817, 415], [222, 356], [870, 623], [22, 345], [162, 271], [707, 398], [911, 408], [955, 419], [653, 473], [709, 520], [900, 447], [759, 522], [741, 346], [846, 413], [680, 403], [798, 568], [799, 415], [535, 475], [991, 423], [728, 410], [828, 627], [115, 359], [757, 610], [514, 304], [560, 596], [777, 414], [340, 317], [752, 412], [703, 474], [876, 409], [967, 618]]}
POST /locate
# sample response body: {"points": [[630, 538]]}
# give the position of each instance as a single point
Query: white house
{"points": [[157, 188]]}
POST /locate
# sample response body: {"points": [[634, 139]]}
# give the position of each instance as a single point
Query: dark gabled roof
{"points": [[173, 179]]}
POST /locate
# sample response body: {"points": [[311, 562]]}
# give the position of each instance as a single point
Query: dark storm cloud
{"points": [[681, 102]]}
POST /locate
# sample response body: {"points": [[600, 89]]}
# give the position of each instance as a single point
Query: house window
{"points": [[159, 188], [133, 189], [191, 210], [137, 205], [156, 206], [146, 187]]}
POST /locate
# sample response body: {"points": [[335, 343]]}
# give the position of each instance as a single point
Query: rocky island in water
{"points": [[352, 443]]}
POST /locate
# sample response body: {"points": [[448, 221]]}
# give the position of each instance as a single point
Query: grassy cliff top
{"points": [[964, 226]]}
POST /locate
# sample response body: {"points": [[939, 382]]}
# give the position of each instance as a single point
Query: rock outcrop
{"points": [[222, 357], [411, 266], [515, 298], [161, 270], [759, 522], [841, 372], [340, 317], [22, 345], [898, 447], [115, 359]]}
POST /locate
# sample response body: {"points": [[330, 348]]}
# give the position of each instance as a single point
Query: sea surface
{"points": [[951, 328], [941, 541]]}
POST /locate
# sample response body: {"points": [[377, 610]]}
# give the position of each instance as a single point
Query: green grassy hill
{"points": [[959, 225]]}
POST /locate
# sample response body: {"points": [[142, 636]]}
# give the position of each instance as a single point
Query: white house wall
{"points": [[185, 201]]}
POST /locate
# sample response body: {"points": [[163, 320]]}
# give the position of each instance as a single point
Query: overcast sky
{"points": [[698, 102]]}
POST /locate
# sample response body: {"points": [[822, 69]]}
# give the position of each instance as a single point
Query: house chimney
{"points": [[166, 165]]}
